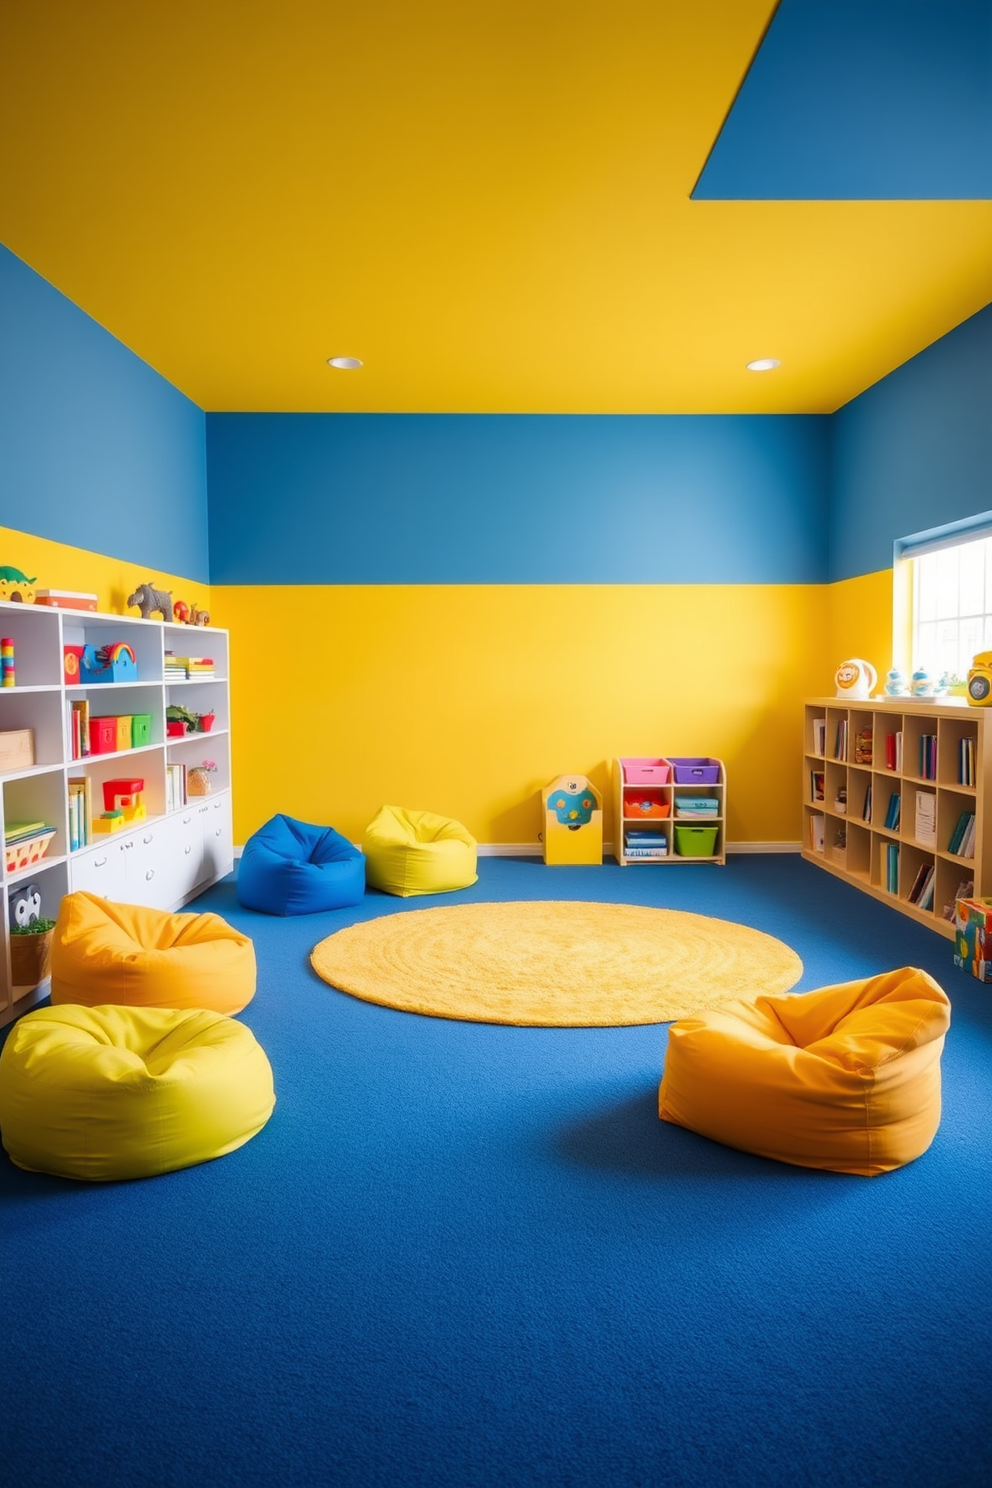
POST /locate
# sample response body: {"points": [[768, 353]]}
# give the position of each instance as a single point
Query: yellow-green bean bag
{"points": [[416, 852], [113, 1092], [847, 1078], [104, 952]]}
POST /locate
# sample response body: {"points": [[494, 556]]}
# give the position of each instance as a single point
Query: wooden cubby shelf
{"points": [[889, 786]]}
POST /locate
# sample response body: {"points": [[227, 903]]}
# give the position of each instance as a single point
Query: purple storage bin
{"points": [[645, 771], [692, 771]]}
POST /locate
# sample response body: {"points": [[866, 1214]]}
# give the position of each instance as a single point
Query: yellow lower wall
{"points": [[57, 566], [466, 700], [859, 622]]}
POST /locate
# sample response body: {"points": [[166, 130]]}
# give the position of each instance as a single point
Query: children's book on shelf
{"points": [[892, 814], [840, 741], [892, 867], [819, 736], [928, 756], [866, 808], [816, 785], [966, 760], [960, 832], [175, 787], [816, 831], [921, 892], [80, 812]]}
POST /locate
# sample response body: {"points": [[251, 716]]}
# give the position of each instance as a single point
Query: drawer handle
{"points": [[99, 862], [149, 838], [187, 850], [218, 831], [149, 875], [187, 819]]}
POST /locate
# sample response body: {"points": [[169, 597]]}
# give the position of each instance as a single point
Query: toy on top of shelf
{"points": [[921, 684], [67, 599], [896, 683], [180, 612], [979, 686], [16, 586], [7, 661], [198, 616], [113, 663], [151, 601], [855, 678]]}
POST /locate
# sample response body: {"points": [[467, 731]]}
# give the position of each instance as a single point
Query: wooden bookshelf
{"points": [[850, 751]]}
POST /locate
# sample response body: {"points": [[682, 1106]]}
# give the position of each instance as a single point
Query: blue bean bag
{"points": [[290, 867]]}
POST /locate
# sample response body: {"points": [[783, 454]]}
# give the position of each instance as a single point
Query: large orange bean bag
{"points": [[122, 953], [846, 1078]]}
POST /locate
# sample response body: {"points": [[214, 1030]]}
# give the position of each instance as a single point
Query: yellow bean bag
{"points": [[416, 852], [847, 1078], [112, 1092], [104, 952]]}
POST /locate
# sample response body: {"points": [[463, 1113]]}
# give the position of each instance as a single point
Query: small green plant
{"points": [[176, 714], [36, 927]]}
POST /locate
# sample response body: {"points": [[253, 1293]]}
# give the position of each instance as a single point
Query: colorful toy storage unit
{"points": [[573, 821], [669, 809]]}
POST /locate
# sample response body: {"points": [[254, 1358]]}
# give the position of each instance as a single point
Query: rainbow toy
{"points": [[112, 663]]}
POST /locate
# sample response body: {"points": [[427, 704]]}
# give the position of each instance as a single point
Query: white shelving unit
{"points": [[162, 861], [847, 753], [659, 786]]}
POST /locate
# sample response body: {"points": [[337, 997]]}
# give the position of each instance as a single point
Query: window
{"points": [[946, 588]]}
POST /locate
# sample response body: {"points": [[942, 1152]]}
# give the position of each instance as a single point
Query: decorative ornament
{"points": [[855, 678]]}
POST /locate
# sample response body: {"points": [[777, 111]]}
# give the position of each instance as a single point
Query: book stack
{"points": [[928, 756], [80, 812], [892, 867], [175, 667], [893, 813], [645, 845], [893, 751], [78, 728], [921, 893], [926, 819], [175, 787], [966, 760], [840, 742], [962, 842], [199, 666], [699, 806]]}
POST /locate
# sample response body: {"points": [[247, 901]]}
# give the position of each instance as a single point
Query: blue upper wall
{"points": [[517, 499], [876, 100], [96, 449], [913, 452]]}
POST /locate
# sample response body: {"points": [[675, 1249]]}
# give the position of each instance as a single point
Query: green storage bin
{"points": [[695, 842], [141, 729]]}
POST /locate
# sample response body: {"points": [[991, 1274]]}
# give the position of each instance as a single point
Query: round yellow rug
{"points": [[553, 963]]}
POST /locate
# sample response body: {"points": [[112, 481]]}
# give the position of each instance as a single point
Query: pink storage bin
{"points": [[645, 771], [696, 771]]}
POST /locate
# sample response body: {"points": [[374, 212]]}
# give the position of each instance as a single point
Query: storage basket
{"points": [[641, 808], [695, 842], [23, 854], [693, 770], [645, 771]]}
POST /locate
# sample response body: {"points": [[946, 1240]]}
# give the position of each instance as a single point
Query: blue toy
{"points": [[289, 867]]}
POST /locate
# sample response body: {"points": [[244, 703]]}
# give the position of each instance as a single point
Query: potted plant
{"points": [[30, 952], [205, 721], [179, 721]]}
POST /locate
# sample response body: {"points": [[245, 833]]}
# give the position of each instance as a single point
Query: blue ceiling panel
{"points": [[862, 100]]}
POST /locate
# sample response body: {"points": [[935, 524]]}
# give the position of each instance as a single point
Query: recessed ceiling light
{"points": [[763, 364], [344, 364]]}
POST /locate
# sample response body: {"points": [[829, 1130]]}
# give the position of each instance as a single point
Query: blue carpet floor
{"points": [[462, 1255]]}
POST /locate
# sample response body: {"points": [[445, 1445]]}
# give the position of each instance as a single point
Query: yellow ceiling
{"points": [[487, 201]]}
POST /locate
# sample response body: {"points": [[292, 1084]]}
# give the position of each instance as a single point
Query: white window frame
{"points": [[942, 597]]}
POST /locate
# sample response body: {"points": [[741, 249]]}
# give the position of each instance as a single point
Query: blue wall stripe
{"points": [[517, 499], [97, 450], [914, 451], [882, 100]]}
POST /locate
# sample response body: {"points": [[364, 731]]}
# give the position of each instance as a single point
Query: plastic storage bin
{"points": [[695, 842], [695, 771], [645, 771]]}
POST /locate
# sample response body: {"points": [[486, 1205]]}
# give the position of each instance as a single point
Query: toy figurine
{"points": [[921, 685], [896, 684], [180, 612], [152, 601], [16, 586], [855, 678]]}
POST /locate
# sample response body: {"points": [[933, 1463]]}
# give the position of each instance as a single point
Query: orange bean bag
{"points": [[846, 1078], [122, 953]]}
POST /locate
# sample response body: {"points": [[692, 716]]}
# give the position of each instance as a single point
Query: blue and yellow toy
{"points": [[573, 821]]}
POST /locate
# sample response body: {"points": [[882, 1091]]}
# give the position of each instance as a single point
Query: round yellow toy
{"points": [[106, 1093], [979, 687]]}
